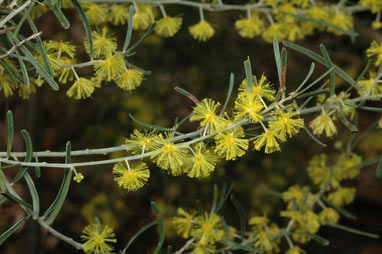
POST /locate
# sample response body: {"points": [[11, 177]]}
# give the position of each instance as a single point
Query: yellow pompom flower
{"points": [[25, 92], [98, 239], [170, 156], [168, 26], [111, 67], [141, 142], [248, 104], [142, 20], [203, 249], [269, 140], [208, 228], [343, 196], [374, 5], [82, 88], [328, 215], [370, 86], [231, 144], [258, 222], [104, 43], [295, 250], [131, 177], [6, 84], [96, 13], [78, 177], [342, 20], [295, 32], [205, 111], [184, 222], [201, 31], [273, 32], [129, 79], [119, 14], [264, 241], [376, 25], [284, 123], [249, 27], [65, 74], [202, 163], [323, 123], [260, 88], [61, 47], [375, 49]]}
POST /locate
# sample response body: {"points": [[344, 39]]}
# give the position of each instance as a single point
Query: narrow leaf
{"points": [[329, 64], [307, 77], [224, 196], [187, 94], [248, 74], [316, 238], [316, 93], [56, 206], [372, 109], [140, 231], [9, 131], [129, 29], [346, 122], [151, 126], [354, 231], [313, 137], [230, 88], [272, 192], [4, 236], [86, 25], [242, 214], [239, 246], [148, 32], [34, 194], [276, 52], [16, 199], [23, 70], [161, 227], [378, 172], [56, 9], [13, 73], [28, 155], [341, 210], [215, 198]]}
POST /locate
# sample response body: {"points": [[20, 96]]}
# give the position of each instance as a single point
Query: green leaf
{"points": [[152, 126], [314, 138], [140, 231], [28, 155], [187, 94], [15, 199], [23, 70], [319, 59], [378, 172], [316, 80], [215, 198], [316, 93], [242, 214], [161, 227], [56, 9], [4, 236], [276, 52], [169, 249], [56, 206], [41, 48], [86, 25], [316, 238], [13, 74], [307, 77], [364, 134], [129, 29], [346, 122], [355, 85], [230, 88], [329, 64], [372, 109], [354, 231], [48, 78], [248, 74], [37, 169], [341, 210], [239, 246], [224, 196], [23, 18], [148, 32], [9, 131], [271, 192], [34, 194], [225, 227]]}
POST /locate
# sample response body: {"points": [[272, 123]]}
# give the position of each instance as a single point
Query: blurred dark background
{"points": [[203, 69]]}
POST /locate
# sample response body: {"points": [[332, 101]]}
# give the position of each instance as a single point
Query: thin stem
{"points": [[163, 11], [14, 13], [201, 14]]}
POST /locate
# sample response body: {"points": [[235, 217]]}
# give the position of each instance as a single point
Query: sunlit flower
{"points": [[249, 27], [61, 47], [206, 112], [264, 241], [342, 20], [260, 88], [201, 31], [231, 144], [142, 19], [370, 86], [170, 156], [111, 67], [98, 239], [82, 88], [328, 215], [183, 222], [25, 92], [208, 228], [273, 32], [285, 124], [96, 13], [202, 162], [258, 222], [168, 26], [6, 85], [140, 142], [375, 49], [342, 196], [119, 14], [248, 104], [129, 79], [374, 5], [323, 123], [131, 177], [104, 43], [269, 140]]}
